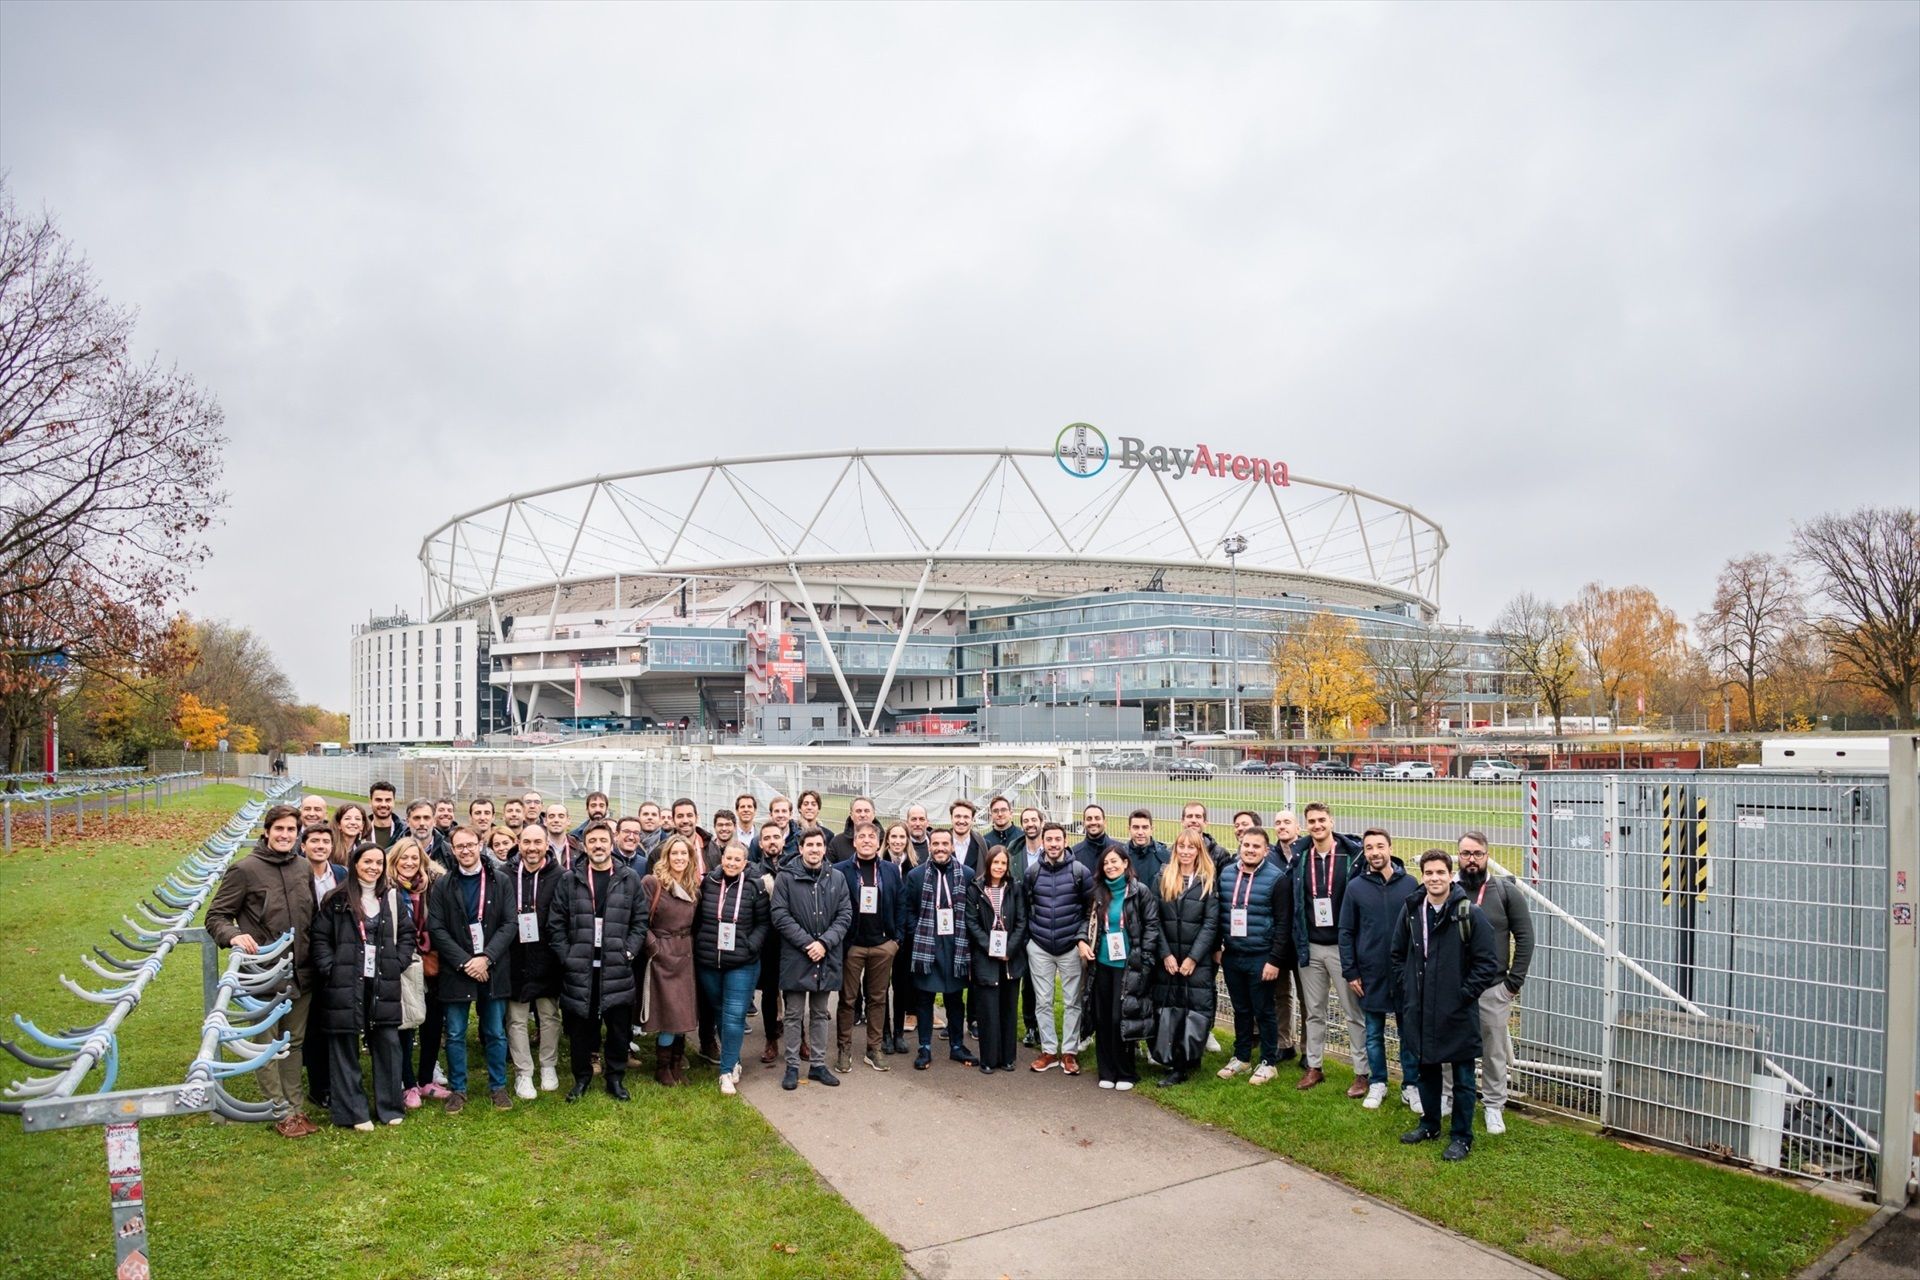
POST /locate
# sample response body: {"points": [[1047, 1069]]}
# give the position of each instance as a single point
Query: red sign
{"points": [[787, 673]]}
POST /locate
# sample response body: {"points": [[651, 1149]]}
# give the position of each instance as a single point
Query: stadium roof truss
{"points": [[920, 518]]}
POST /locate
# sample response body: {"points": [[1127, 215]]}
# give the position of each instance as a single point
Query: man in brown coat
{"points": [[262, 896]]}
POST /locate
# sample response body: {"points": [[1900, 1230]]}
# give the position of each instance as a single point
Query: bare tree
{"points": [[1419, 669], [1537, 639], [1867, 566], [108, 470], [1757, 605]]}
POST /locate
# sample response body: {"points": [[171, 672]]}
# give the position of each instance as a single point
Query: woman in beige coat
{"points": [[670, 1007]]}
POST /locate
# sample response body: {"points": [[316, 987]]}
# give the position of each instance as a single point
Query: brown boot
{"points": [[770, 1054], [1310, 1079], [662, 1065], [1358, 1089], [680, 1061]]}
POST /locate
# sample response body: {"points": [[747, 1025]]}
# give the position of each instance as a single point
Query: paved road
{"points": [[1042, 1176]]}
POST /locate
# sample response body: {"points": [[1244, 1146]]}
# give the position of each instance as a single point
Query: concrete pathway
{"points": [[1042, 1176]]}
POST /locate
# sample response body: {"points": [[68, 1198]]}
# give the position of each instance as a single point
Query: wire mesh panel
{"points": [[1744, 1013]]}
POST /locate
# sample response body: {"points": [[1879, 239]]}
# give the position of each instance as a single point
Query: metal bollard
{"points": [[6, 818]]}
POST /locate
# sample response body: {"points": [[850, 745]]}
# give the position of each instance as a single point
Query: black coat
{"points": [[1373, 910], [1438, 994], [536, 969], [447, 920], [750, 929], [337, 952], [1189, 930], [812, 906], [569, 932], [1140, 917], [988, 971]]}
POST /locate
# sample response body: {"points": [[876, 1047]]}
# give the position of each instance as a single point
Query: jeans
{"points": [[730, 991], [1430, 1074], [1252, 1006], [493, 1043], [1377, 1052]]}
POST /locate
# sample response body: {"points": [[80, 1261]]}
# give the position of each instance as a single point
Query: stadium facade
{"points": [[834, 595]]}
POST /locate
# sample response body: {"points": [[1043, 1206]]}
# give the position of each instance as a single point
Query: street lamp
{"points": [[1233, 544]]}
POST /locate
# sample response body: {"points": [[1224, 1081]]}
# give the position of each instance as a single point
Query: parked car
{"points": [[1373, 770], [1190, 767], [1332, 769], [1258, 768], [1493, 771], [1410, 771]]}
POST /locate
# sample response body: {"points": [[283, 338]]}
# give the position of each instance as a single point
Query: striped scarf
{"points": [[925, 940]]}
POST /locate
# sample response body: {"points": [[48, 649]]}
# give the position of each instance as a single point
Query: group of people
{"points": [[653, 927]]}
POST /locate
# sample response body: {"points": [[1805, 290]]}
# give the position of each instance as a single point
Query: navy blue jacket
{"points": [[1148, 863], [1057, 901], [1372, 910], [1088, 854], [1268, 935], [893, 909]]}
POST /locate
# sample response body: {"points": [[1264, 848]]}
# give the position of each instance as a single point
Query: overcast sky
{"points": [[1610, 292]]}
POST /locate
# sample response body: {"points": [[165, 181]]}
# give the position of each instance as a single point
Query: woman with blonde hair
{"points": [[669, 1004], [1183, 996], [412, 873]]}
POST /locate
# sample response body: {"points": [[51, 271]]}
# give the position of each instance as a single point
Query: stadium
{"points": [[834, 595]]}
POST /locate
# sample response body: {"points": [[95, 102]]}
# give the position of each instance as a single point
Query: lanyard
{"points": [[593, 898], [1244, 878], [1313, 874], [480, 912], [721, 905], [1426, 921], [1482, 895], [942, 896], [519, 890], [996, 896]]}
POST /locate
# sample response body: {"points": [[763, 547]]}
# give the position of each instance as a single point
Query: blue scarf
{"points": [[925, 940]]}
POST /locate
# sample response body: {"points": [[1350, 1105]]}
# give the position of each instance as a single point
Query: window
{"points": [[819, 723], [785, 722]]}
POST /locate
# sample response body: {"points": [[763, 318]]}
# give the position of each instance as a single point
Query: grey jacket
{"points": [[1507, 914]]}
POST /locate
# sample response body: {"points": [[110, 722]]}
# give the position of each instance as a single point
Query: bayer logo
{"points": [[1081, 450]]}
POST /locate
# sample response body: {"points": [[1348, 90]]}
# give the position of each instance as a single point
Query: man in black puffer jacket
{"points": [[597, 925], [1059, 894], [471, 919], [1443, 960]]}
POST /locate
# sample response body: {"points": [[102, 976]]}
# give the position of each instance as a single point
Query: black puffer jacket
{"points": [[812, 905], [1189, 930], [536, 969], [337, 962], [988, 971], [1140, 917], [447, 919], [750, 929], [1438, 978], [623, 907]]}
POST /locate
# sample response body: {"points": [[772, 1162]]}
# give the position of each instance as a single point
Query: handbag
{"points": [[413, 981]]}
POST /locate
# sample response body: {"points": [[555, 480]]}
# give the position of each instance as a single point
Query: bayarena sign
{"points": [[1082, 450]]}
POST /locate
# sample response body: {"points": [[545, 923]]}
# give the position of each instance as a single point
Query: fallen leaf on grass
{"points": [[786, 1248], [1086, 1142]]}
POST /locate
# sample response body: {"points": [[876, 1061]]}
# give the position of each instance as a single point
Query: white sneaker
{"points": [[1262, 1073], [1411, 1096], [1106, 1084], [1446, 1105], [1213, 1043], [726, 1084], [633, 1049], [439, 1076], [1123, 1085], [1233, 1068], [523, 1086], [549, 1079], [1496, 1120], [735, 1073], [1376, 1094]]}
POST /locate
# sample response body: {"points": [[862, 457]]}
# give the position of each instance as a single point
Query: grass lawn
{"points": [[1568, 1200], [680, 1182]]}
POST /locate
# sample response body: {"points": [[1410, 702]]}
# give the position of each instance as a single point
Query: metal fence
{"points": [[710, 776], [1711, 965]]}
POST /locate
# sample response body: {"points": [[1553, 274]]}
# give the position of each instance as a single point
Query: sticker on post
{"points": [[125, 1190], [123, 1150], [1751, 822], [134, 1267], [1903, 915]]}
